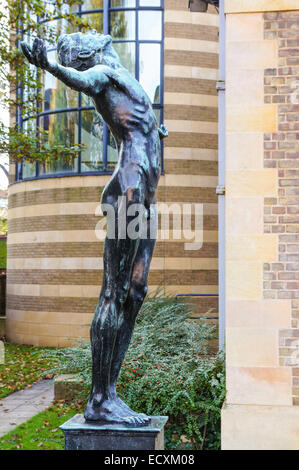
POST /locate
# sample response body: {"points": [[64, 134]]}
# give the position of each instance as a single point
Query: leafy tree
{"points": [[21, 84]]}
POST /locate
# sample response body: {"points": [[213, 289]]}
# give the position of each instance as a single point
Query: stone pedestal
{"points": [[82, 435]]}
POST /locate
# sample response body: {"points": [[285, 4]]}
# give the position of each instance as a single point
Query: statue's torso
{"points": [[127, 110], [125, 106]]}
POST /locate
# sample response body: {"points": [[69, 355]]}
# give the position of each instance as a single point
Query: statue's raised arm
{"points": [[84, 79]]}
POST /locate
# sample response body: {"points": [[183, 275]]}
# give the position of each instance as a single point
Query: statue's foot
{"points": [[146, 419], [110, 412]]}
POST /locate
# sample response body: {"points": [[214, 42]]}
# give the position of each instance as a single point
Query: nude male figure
{"points": [[89, 64]]}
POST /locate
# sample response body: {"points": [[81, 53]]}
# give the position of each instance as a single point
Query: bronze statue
{"points": [[90, 64]]}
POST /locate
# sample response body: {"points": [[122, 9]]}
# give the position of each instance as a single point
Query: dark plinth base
{"points": [[82, 435]]}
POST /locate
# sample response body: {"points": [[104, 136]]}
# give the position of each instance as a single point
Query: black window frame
{"points": [[106, 10]]}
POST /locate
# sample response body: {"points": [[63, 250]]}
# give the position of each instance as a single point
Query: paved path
{"points": [[20, 406]]}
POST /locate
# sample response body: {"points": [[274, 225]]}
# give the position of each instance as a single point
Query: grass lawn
{"points": [[22, 366], [42, 431]]}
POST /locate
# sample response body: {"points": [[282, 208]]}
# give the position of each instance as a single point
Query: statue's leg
{"points": [[128, 316], [137, 293], [101, 405], [119, 256]]}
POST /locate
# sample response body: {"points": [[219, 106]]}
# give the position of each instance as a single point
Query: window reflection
{"points": [[92, 4], [29, 93], [150, 25], [158, 116], [122, 3], [28, 169], [126, 53], [95, 21], [92, 137], [62, 129], [56, 9], [86, 100], [112, 153], [150, 3], [50, 30], [122, 24], [56, 94], [149, 70]]}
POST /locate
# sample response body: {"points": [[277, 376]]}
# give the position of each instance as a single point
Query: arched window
{"points": [[136, 27]]}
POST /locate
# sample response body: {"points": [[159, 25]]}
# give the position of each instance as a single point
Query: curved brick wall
{"points": [[54, 266]]}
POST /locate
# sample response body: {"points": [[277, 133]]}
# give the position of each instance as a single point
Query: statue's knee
{"points": [[139, 292]]}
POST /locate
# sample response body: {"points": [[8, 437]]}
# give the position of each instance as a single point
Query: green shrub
{"points": [[2, 254], [167, 371]]}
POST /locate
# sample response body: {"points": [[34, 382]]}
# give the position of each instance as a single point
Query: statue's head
{"points": [[82, 51]]}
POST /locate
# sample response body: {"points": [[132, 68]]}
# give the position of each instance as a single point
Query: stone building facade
{"points": [[262, 225]]}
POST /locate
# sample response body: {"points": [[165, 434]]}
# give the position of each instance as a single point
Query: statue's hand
{"points": [[37, 55]]}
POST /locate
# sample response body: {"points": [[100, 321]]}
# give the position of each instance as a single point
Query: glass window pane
{"points": [[62, 129], [95, 21], [122, 25], [158, 116], [122, 3], [18, 171], [92, 137], [51, 30], [149, 3], [92, 5], [126, 53], [86, 100], [29, 104], [150, 25], [112, 153], [54, 9], [149, 70], [28, 169], [57, 95]]}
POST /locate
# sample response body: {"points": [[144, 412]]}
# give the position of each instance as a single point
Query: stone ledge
{"points": [[259, 6], [66, 387]]}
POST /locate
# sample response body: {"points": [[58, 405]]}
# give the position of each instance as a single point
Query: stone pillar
{"points": [[262, 225]]}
